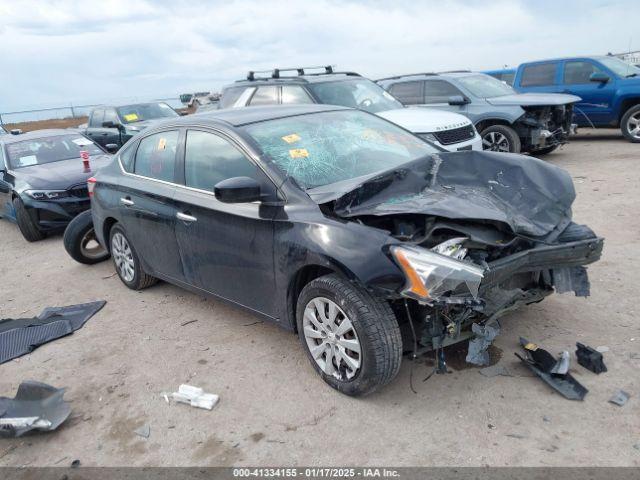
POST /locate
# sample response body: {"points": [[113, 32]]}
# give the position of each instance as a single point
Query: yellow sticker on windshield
{"points": [[162, 143], [299, 153], [294, 137], [131, 117]]}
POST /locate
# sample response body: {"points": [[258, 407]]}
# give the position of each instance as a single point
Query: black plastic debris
{"points": [[23, 335], [590, 358], [620, 398], [36, 406], [542, 363]]}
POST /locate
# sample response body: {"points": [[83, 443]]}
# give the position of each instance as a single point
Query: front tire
{"points": [[630, 124], [80, 240], [351, 337], [500, 138], [127, 262], [26, 225]]}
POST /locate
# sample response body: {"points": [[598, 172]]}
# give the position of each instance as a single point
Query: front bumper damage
{"points": [[54, 215], [543, 127]]}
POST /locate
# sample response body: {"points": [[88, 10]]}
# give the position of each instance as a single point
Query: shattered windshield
{"points": [[322, 148], [619, 67], [362, 94], [49, 149], [145, 111], [485, 86]]}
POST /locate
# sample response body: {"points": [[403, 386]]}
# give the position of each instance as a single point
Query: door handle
{"points": [[126, 201], [186, 218]]}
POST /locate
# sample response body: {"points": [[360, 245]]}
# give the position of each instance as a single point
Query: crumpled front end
{"points": [[542, 127]]}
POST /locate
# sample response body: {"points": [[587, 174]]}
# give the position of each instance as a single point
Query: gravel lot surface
{"points": [[274, 410]]}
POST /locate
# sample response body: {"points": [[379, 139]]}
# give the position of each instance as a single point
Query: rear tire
{"points": [[80, 240], [127, 262], [630, 124], [323, 307], [500, 138], [26, 225]]}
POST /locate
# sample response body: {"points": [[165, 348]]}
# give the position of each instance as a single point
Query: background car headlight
{"points": [[428, 136], [430, 276], [47, 194]]}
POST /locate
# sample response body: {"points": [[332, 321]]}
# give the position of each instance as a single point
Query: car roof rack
{"points": [[456, 71], [275, 73], [396, 77]]}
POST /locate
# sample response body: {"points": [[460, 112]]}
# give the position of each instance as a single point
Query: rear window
{"points": [[409, 93], [538, 75]]}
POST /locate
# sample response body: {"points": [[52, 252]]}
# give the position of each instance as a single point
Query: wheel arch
{"points": [[625, 105], [487, 122], [108, 224]]}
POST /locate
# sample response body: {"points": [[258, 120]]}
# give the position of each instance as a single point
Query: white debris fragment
{"points": [[195, 396]]}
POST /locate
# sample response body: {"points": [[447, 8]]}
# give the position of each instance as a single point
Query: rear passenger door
{"points": [[146, 205], [227, 249]]}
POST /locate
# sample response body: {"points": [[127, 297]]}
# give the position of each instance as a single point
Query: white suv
{"points": [[447, 130]]}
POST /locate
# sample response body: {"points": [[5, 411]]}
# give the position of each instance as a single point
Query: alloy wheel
{"points": [[332, 339], [496, 142], [123, 257], [633, 125]]}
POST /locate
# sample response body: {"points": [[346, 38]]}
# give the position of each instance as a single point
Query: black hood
{"points": [[529, 196], [59, 175]]}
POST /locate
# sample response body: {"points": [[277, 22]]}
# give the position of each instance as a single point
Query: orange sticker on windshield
{"points": [[299, 153], [162, 143], [294, 137]]}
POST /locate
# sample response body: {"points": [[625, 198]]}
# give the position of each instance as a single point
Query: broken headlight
{"points": [[432, 276]]}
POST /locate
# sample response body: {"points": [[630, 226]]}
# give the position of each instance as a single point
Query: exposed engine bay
{"points": [[544, 126], [477, 235]]}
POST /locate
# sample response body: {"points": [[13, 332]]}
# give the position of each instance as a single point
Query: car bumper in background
{"points": [[473, 144], [53, 215]]}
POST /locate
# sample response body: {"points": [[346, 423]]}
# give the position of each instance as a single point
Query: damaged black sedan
{"points": [[343, 227]]}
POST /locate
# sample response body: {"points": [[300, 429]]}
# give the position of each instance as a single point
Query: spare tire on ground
{"points": [[80, 240]]}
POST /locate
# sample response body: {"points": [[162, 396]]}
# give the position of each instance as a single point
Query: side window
{"points": [[96, 118], [578, 72], [265, 96], [156, 156], [126, 157], [508, 78], [230, 95], [439, 91], [295, 94], [409, 93], [210, 159], [110, 116], [538, 75]]}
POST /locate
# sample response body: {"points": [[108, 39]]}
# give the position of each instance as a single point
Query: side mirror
{"points": [[111, 147], [110, 124], [237, 190], [599, 77], [457, 100]]}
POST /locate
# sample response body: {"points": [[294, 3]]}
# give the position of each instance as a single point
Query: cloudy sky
{"points": [[56, 52]]}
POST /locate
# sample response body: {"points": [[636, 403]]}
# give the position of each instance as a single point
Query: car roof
{"points": [[577, 57], [296, 80], [452, 73], [129, 104], [245, 115], [35, 134]]}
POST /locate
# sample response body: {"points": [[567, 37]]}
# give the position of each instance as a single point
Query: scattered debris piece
{"points": [[75, 464], [144, 431], [491, 426], [542, 362], [602, 349], [251, 324], [494, 371], [484, 335], [20, 336], [562, 365], [188, 322], [515, 435], [590, 359], [620, 398], [546, 419], [36, 406], [195, 396]]}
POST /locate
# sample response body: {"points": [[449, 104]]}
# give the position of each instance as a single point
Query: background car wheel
{"points": [[544, 151], [630, 124], [80, 240], [351, 337], [500, 138], [127, 262], [28, 229]]}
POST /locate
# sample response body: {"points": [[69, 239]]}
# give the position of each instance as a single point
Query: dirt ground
{"points": [[274, 410]]}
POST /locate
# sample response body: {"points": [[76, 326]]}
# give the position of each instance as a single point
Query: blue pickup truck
{"points": [[609, 89]]}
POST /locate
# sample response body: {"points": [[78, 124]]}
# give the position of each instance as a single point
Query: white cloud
{"points": [[56, 52]]}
